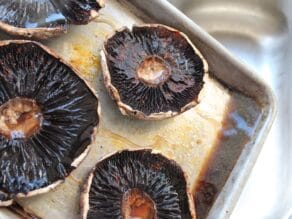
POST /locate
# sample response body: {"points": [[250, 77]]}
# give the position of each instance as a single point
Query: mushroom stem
{"points": [[137, 204]]}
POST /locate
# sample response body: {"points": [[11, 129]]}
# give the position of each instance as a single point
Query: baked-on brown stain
{"points": [[20, 118], [137, 204]]}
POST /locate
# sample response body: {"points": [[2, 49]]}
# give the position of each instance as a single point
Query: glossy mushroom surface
{"points": [[45, 18], [48, 116], [137, 184], [152, 71]]}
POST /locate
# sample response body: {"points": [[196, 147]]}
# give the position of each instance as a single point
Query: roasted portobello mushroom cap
{"points": [[42, 19], [152, 71], [137, 184], [48, 116]]}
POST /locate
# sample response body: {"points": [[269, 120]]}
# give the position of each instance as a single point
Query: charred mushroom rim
{"points": [[42, 19], [152, 71], [137, 184], [48, 118]]}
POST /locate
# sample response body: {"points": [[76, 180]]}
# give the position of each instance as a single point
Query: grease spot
{"points": [[85, 60]]}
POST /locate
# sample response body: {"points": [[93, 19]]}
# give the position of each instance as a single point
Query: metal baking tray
{"points": [[260, 34], [216, 142]]}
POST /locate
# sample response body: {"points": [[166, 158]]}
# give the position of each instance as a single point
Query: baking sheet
{"points": [[207, 141]]}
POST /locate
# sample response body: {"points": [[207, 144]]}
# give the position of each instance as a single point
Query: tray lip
{"points": [[228, 196]]}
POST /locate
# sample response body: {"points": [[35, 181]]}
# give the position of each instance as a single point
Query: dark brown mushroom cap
{"points": [[39, 162], [45, 18], [159, 178], [129, 54]]}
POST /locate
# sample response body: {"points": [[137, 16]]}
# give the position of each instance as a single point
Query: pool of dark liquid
{"points": [[239, 124]]}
